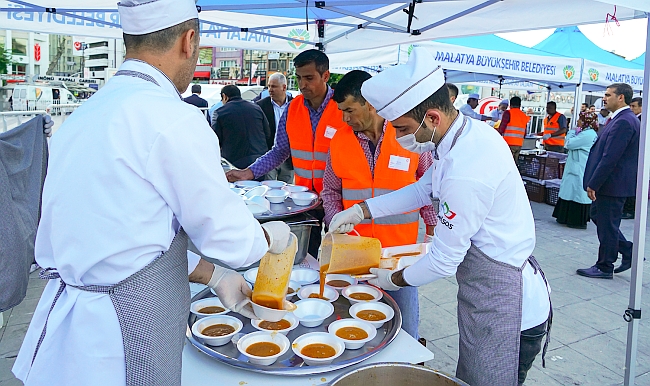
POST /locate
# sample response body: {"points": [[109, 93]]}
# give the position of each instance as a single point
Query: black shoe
{"points": [[595, 273], [623, 267], [576, 226], [627, 216]]}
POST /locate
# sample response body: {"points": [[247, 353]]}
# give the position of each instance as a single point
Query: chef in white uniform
{"points": [[468, 108], [127, 170], [485, 234]]}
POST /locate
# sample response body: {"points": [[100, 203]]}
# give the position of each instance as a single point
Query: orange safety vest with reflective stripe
{"points": [[309, 154], [551, 125], [395, 168], [516, 130]]}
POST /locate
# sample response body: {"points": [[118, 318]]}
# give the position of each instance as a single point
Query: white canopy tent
{"points": [[351, 25]]}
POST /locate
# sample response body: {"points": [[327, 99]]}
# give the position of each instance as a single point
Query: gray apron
{"points": [[151, 307]]}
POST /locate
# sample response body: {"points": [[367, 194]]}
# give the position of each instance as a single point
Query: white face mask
{"points": [[409, 142]]}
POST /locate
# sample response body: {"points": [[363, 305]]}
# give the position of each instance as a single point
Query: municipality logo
{"points": [[569, 72], [593, 74], [448, 212], [299, 34]]}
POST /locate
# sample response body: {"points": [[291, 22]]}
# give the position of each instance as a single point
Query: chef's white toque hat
{"points": [[397, 90], [140, 17]]}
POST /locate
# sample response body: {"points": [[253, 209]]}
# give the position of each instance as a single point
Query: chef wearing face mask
{"points": [[485, 233]]}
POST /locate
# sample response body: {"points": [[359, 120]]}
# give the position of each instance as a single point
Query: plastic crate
{"points": [[536, 191], [552, 193], [538, 167], [561, 169]]}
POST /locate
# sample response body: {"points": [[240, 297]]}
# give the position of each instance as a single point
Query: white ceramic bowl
{"points": [[303, 198], [295, 188], [246, 184], [251, 274], [207, 302], [368, 289], [200, 325], [377, 306], [349, 343], [295, 286], [289, 317], [276, 196], [258, 191], [274, 184], [263, 336], [312, 312], [238, 191], [304, 276], [318, 337], [328, 292], [270, 314], [335, 276]]}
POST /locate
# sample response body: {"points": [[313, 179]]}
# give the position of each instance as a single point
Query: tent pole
{"points": [[633, 313]]}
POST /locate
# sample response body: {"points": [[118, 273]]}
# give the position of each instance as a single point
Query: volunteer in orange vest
{"points": [[555, 129], [366, 161], [513, 126], [304, 133]]}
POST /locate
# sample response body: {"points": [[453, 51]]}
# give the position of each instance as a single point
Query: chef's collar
{"points": [[143, 67], [447, 141]]}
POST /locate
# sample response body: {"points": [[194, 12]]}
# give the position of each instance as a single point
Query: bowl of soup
{"points": [[339, 282], [293, 289], [262, 347], [304, 276], [361, 293], [208, 307], [318, 348], [313, 312], [355, 333], [216, 330], [312, 291], [375, 313], [288, 323]]}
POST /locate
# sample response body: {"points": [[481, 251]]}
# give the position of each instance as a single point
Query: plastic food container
{"points": [[276, 196], [303, 198], [295, 188], [353, 344], [304, 276], [329, 293], [212, 320], [376, 306], [353, 255], [272, 278], [312, 312], [274, 184], [340, 278], [295, 286], [246, 184], [207, 302], [361, 288], [289, 317], [262, 336], [318, 337]]}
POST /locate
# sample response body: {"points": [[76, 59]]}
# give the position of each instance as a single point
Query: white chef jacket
{"points": [[125, 169], [468, 111], [482, 201]]}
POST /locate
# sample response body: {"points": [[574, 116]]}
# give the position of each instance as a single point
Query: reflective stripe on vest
{"points": [[350, 164], [551, 126], [516, 130], [308, 149]]}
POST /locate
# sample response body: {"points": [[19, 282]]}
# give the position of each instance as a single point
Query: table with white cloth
{"points": [[201, 370]]}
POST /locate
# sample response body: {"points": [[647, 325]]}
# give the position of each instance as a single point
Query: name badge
{"points": [[329, 132], [399, 163]]}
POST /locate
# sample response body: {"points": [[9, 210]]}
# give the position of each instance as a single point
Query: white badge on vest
{"points": [[329, 132], [399, 163]]}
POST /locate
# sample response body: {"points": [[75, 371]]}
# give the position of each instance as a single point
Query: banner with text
{"points": [[598, 76]]}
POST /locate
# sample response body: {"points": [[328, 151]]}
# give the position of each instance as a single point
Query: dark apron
{"points": [[151, 307]]}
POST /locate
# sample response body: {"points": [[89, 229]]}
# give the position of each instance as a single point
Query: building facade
{"points": [[30, 52]]}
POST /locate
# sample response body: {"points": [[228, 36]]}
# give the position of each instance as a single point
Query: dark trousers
{"points": [[606, 213], [630, 205], [315, 233], [530, 344]]}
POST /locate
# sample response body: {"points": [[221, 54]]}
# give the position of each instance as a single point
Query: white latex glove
{"points": [[383, 279], [428, 239], [546, 136], [344, 222], [48, 123], [279, 234], [232, 290]]}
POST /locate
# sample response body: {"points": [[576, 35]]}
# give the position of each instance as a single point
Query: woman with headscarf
{"points": [[573, 204]]}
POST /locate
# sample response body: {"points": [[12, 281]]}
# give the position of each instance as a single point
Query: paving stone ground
{"points": [[589, 333]]}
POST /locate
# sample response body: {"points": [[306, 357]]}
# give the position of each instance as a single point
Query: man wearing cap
{"points": [[120, 200], [485, 234], [303, 133], [497, 113], [468, 108]]}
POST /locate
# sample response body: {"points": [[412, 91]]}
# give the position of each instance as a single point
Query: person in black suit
{"points": [[273, 107], [610, 177], [242, 129], [196, 100]]}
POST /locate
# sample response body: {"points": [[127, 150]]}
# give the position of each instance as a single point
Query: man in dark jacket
{"points": [[195, 99], [610, 177], [242, 128], [273, 107]]}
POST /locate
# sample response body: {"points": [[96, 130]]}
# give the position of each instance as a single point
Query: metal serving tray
{"points": [[285, 210], [289, 364]]}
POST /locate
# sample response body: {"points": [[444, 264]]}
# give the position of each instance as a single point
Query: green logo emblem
{"points": [[299, 34], [569, 72], [593, 74]]}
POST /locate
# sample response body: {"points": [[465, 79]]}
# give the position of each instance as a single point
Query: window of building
{"points": [[98, 56], [98, 44], [273, 65], [228, 63], [227, 49], [18, 69], [19, 46], [37, 69]]}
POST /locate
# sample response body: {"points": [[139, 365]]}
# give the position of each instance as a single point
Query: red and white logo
{"points": [[486, 105], [37, 52], [77, 46]]}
